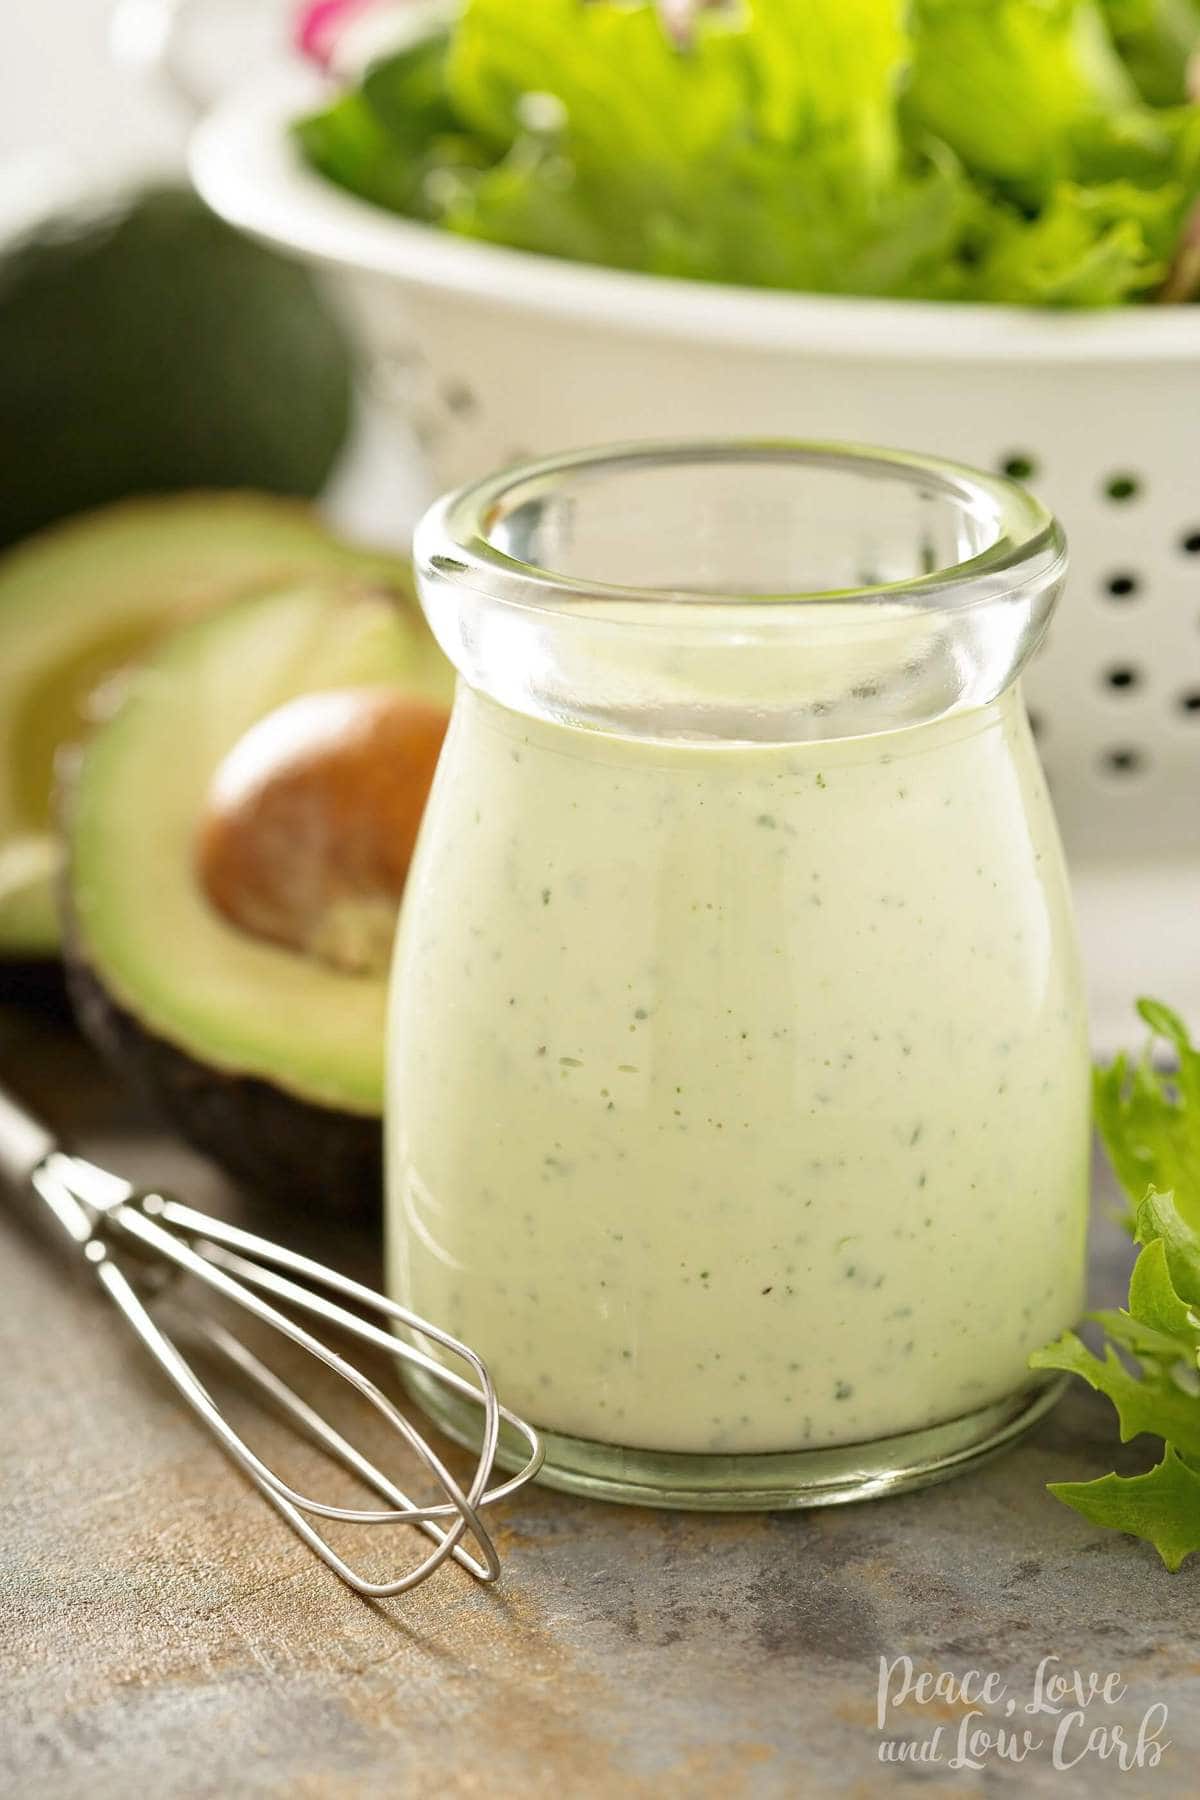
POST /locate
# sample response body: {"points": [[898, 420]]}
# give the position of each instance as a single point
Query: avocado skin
{"points": [[148, 347], [36, 984], [295, 1153]]}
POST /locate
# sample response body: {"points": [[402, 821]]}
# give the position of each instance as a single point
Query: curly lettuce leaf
{"points": [[1156, 40], [1149, 1118], [1162, 1507], [1150, 1402], [384, 139], [1008, 84], [994, 150], [1156, 1301], [1150, 1366], [765, 151], [1089, 186], [1089, 246]]}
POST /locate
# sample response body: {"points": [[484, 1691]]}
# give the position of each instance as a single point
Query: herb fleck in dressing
{"points": [[739, 1093]]}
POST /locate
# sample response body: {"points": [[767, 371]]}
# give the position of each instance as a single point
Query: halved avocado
{"points": [[146, 346], [82, 599], [268, 1059]]}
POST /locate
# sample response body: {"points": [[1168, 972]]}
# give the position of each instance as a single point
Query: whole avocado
{"points": [[146, 346]]}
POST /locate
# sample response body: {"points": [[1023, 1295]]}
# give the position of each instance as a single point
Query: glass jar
{"points": [[738, 1075]]}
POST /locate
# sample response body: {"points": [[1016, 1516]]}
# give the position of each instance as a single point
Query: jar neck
{"points": [[815, 674], [752, 592], [531, 735]]}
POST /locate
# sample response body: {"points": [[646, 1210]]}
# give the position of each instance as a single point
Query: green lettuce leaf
{"points": [[1156, 39], [765, 151], [1010, 84], [1155, 1299], [995, 150], [1149, 1119], [386, 138], [1162, 1507], [1087, 247], [1082, 188], [1160, 1220], [1150, 1402], [1150, 1366]]}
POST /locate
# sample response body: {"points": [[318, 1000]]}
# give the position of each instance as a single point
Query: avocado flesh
{"points": [[83, 599], [142, 934]]}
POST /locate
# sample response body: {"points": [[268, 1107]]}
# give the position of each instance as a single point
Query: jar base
{"points": [[775, 1481]]}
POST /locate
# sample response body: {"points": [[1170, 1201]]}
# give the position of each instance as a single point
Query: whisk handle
{"points": [[24, 1142]]}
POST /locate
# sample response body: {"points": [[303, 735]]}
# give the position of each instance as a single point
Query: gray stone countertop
{"points": [[164, 1634]]}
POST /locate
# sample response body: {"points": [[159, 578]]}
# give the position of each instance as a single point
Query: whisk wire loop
{"points": [[113, 1225], [308, 1420], [209, 1270]]}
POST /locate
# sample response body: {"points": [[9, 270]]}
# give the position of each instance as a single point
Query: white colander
{"points": [[495, 354]]}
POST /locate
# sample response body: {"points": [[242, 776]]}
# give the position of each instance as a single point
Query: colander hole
{"points": [[1190, 702], [1019, 465], [460, 399], [1122, 677], [1037, 725], [1122, 487], [1190, 543], [1122, 586], [1123, 759]]}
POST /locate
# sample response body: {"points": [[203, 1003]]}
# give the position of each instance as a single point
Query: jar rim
{"points": [[453, 540]]}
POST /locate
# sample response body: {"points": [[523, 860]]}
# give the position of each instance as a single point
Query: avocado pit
{"points": [[310, 821]]}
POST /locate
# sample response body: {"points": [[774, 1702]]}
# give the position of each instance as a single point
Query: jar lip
{"points": [[452, 541]]}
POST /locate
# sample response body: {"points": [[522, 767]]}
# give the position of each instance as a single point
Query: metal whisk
{"points": [[140, 1245]]}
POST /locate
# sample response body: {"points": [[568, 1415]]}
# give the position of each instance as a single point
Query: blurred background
{"points": [[64, 95], [66, 80]]}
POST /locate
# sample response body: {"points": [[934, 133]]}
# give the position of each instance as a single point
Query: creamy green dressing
{"points": [[739, 1094]]}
